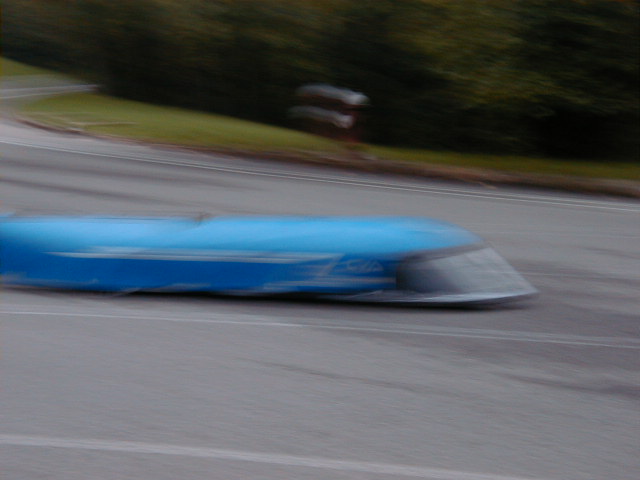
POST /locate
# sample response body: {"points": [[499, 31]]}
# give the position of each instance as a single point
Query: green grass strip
{"points": [[113, 116], [101, 114], [11, 68], [512, 163]]}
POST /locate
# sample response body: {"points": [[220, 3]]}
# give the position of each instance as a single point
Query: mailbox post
{"points": [[330, 111]]}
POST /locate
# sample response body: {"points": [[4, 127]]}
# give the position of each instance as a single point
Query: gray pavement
{"points": [[195, 387]]}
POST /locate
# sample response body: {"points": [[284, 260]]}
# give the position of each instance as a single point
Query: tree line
{"points": [[517, 76]]}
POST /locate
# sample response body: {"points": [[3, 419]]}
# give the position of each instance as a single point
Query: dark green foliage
{"points": [[38, 33], [525, 76], [133, 67], [409, 104], [587, 53], [264, 54]]}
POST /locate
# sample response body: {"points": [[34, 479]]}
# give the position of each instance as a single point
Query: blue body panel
{"points": [[228, 255]]}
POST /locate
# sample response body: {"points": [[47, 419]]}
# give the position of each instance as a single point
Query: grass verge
{"points": [[11, 68], [101, 114], [112, 116], [512, 163]]}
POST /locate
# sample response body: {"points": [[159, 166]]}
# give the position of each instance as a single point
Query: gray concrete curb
{"points": [[357, 161], [367, 163]]}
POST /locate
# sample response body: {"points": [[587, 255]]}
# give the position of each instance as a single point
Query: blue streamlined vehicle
{"points": [[398, 260]]}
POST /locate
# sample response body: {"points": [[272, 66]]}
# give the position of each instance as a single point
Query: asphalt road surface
{"points": [[167, 387]]}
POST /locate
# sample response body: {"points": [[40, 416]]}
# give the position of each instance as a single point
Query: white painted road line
{"points": [[253, 457], [521, 198], [244, 320]]}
